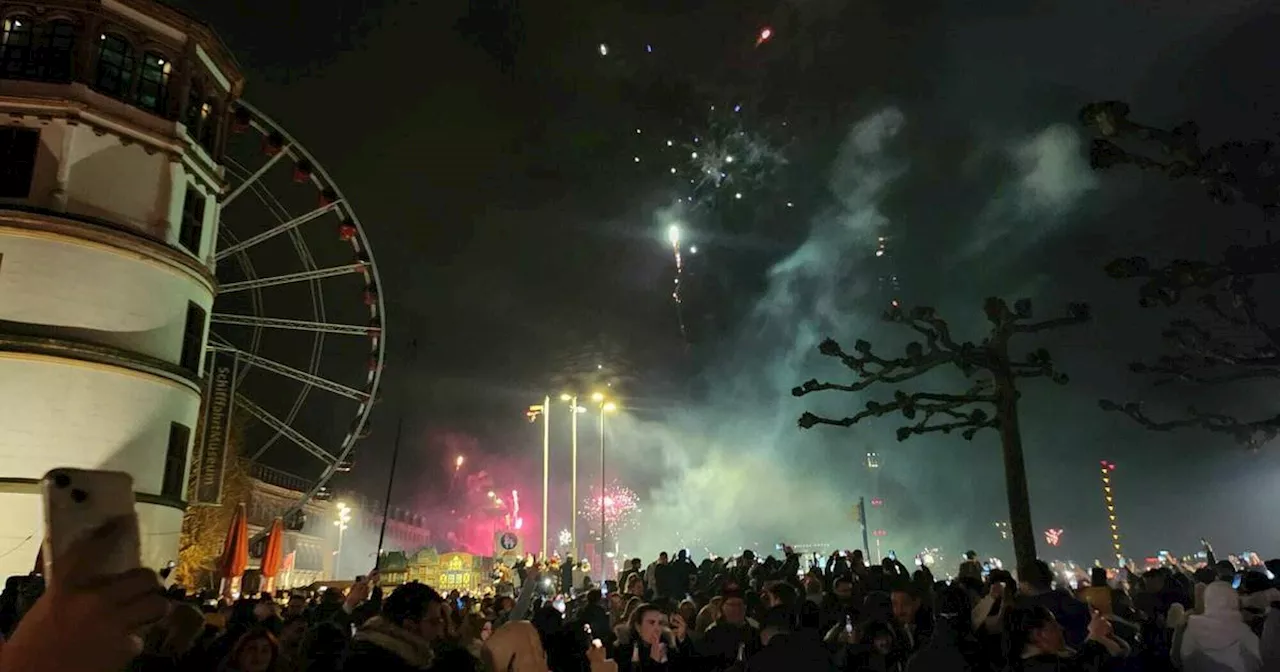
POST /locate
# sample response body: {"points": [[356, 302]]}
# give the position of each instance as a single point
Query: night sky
{"points": [[517, 238]]}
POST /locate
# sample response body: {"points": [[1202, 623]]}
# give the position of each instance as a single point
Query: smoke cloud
{"points": [[735, 471]]}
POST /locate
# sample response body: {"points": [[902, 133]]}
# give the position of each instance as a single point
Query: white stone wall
{"points": [[64, 287]]}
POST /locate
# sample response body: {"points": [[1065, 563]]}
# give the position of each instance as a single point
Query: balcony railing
{"points": [[278, 478]]}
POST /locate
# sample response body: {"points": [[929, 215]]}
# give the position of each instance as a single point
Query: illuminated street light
{"points": [[341, 522], [574, 410], [606, 407], [544, 410]]}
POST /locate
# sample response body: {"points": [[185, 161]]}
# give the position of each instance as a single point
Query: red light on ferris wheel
{"points": [[877, 502]]}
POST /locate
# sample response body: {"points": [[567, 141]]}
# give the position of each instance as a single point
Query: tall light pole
{"points": [[545, 411], [344, 517], [573, 479], [606, 407]]}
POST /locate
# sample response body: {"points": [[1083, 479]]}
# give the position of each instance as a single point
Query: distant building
{"points": [[888, 286], [406, 530], [113, 115], [310, 537]]}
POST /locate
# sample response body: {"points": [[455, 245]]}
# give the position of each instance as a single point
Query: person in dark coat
{"points": [[402, 637], [785, 649], [951, 645], [731, 638]]}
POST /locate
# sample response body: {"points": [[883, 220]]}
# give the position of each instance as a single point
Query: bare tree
{"points": [[991, 402], [1231, 172], [1229, 340]]}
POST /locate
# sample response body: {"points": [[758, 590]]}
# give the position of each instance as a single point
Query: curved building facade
{"points": [[112, 119]]}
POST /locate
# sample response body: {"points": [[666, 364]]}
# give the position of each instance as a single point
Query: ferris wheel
{"points": [[298, 305]]}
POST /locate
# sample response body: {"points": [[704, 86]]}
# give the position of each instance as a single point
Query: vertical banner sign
{"points": [[219, 401]]}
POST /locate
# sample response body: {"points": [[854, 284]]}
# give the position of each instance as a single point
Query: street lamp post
{"points": [[344, 517], [546, 467], [545, 411], [573, 479], [606, 407]]}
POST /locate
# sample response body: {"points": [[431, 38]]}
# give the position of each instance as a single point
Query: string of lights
{"points": [[1108, 468]]}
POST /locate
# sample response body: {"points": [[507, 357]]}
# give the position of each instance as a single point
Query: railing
{"points": [[278, 478]]}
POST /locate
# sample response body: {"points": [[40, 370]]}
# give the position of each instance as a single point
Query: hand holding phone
{"points": [[102, 609], [77, 503]]}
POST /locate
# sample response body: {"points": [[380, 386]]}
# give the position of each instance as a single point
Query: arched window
{"points": [[116, 65], [201, 118], [17, 35], [41, 52], [153, 83], [208, 126], [55, 50]]}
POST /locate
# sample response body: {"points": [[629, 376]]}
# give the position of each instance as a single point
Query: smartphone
{"points": [[1235, 583], [168, 576], [78, 502], [848, 625], [893, 556]]}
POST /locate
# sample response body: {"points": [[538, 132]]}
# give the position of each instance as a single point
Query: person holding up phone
{"points": [[98, 614]]}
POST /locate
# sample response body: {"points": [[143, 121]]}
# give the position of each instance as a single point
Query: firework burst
{"points": [[620, 507], [717, 172]]}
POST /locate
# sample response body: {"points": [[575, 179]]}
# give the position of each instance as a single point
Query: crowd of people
{"points": [[743, 614]]}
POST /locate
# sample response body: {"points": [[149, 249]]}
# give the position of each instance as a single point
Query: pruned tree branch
{"points": [[1231, 342], [934, 411], [1253, 434], [1231, 172]]}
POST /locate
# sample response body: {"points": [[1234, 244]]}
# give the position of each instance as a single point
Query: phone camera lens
{"points": [[78, 496], [61, 480]]}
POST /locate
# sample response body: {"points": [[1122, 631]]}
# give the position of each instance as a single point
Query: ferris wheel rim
{"points": [[346, 214]]}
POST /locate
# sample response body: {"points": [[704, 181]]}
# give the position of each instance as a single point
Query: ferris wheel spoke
{"points": [[314, 274], [296, 325], [283, 428], [301, 376], [253, 177], [276, 230]]}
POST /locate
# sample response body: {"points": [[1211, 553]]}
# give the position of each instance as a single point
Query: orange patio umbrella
{"points": [[235, 550], [272, 555]]}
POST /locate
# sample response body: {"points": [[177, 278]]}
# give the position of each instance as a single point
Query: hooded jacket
{"points": [[382, 645], [1218, 640]]}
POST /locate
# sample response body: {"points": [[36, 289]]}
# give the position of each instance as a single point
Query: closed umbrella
{"points": [[272, 556], [235, 552]]}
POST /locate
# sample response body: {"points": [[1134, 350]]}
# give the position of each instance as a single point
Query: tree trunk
{"points": [[1015, 474]]}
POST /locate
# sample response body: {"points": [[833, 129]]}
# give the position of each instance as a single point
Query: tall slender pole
{"points": [[546, 468], [573, 502], [391, 479], [337, 558], [395, 456], [862, 518], [602, 520]]}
